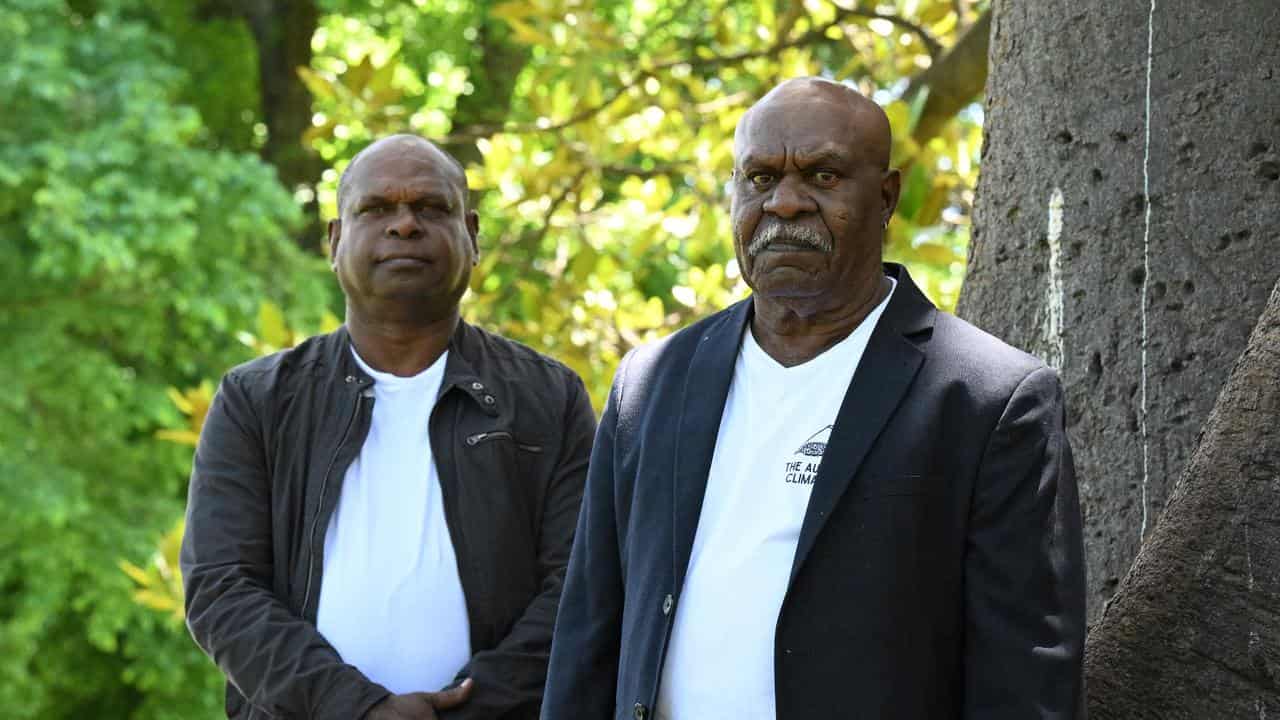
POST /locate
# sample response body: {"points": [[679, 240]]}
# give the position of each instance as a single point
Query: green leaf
{"points": [[272, 329], [917, 108], [914, 191]]}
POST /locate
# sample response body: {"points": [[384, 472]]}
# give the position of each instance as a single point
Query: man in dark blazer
{"points": [[829, 500]]}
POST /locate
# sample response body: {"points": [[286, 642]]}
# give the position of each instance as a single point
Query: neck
{"points": [[792, 338], [397, 347]]}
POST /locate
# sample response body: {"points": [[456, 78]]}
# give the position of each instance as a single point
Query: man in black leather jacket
{"points": [[320, 551]]}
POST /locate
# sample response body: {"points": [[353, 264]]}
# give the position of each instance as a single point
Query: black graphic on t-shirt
{"points": [[816, 444], [802, 467]]}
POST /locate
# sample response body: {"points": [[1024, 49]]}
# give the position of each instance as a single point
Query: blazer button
{"points": [[667, 602], [640, 712]]}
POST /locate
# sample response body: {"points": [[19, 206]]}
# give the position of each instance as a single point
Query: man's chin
{"points": [[799, 273], [793, 294], [417, 291], [800, 287], [792, 300]]}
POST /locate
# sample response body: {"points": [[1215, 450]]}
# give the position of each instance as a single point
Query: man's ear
{"points": [[335, 234], [473, 229], [890, 191]]}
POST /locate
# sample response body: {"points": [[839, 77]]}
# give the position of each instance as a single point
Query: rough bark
{"points": [[1194, 631], [1142, 312]]}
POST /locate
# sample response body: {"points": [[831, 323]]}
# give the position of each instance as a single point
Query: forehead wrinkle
{"points": [[769, 129], [829, 151], [869, 133], [762, 157], [421, 186], [403, 194], [374, 187]]}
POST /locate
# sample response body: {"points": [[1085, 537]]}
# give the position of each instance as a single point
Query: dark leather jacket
{"points": [[511, 431]]}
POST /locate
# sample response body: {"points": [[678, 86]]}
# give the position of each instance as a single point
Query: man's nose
{"points": [[404, 223], [789, 199]]}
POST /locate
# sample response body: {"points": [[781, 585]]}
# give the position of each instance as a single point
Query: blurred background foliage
{"points": [[166, 167]]}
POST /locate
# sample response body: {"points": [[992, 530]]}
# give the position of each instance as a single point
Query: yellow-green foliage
{"points": [[601, 187], [146, 249]]}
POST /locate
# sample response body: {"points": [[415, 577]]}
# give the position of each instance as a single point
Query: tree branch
{"points": [[814, 35], [952, 77], [667, 170], [953, 81], [556, 202], [476, 132], [930, 43]]}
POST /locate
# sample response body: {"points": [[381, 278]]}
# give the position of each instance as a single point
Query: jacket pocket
{"points": [[501, 435], [899, 485]]}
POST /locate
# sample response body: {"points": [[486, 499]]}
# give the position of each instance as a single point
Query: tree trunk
{"points": [[1132, 245], [282, 30], [1194, 631], [493, 73]]}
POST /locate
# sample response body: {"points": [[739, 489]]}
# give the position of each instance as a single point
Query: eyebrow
{"points": [[370, 199], [826, 155], [758, 158]]}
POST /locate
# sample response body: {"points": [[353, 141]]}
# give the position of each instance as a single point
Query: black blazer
{"points": [[939, 569]]}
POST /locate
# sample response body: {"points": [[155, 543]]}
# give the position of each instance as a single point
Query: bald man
{"points": [[379, 518], [829, 501]]}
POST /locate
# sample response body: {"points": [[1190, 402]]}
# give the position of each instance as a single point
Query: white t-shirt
{"points": [[772, 436], [391, 601]]}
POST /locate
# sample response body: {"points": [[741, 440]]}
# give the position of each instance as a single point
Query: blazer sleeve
{"points": [[1024, 568], [583, 674], [277, 660], [510, 677]]}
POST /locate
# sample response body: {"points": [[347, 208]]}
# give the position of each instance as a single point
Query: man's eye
{"points": [[760, 179], [825, 177], [373, 209]]}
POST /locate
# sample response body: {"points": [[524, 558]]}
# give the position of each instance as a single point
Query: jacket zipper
{"points": [[476, 439], [324, 483]]}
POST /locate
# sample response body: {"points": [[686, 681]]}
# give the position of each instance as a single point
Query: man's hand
{"points": [[420, 705]]}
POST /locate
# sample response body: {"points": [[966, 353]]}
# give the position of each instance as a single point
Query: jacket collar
{"points": [[887, 369], [463, 370], [460, 368], [910, 313], [705, 391]]}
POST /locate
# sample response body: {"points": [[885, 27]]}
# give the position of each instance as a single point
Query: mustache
{"points": [[802, 235]]}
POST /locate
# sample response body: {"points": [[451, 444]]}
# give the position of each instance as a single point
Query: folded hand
{"points": [[420, 705]]}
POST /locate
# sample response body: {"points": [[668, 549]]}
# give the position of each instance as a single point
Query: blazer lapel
{"points": [[705, 391], [887, 368]]}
